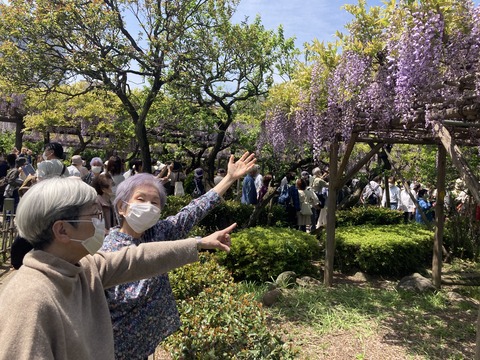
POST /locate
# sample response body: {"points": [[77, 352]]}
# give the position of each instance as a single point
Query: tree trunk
{"points": [[141, 133]]}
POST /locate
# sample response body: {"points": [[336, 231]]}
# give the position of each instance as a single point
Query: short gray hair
{"points": [[316, 171], [48, 201], [127, 187]]}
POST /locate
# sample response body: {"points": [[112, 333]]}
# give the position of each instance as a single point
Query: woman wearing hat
{"points": [[198, 182]]}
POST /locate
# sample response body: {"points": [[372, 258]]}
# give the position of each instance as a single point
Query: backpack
{"points": [[321, 199], [373, 199], [284, 197]]}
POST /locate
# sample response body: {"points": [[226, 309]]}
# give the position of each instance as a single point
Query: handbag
{"points": [[306, 209], [179, 191]]}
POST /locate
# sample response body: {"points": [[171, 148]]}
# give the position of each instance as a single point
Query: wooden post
{"points": [[458, 160], [333, 183], [440, 217]]}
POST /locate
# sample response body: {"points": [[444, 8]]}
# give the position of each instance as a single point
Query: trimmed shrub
{"points": [[361, 215], [225, 214], [394, 250], [260, 254], [219, 321]]}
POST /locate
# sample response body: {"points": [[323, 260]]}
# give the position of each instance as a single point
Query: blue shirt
{"points": [[144, 312], [249, 192], [426, 207]]}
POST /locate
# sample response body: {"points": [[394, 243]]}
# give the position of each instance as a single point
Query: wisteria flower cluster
{"points": [[428, 61]]}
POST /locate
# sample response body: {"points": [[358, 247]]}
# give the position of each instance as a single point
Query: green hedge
{"points": [[361, 215], [219, 321], [390, 250], [226, 213], [260, 254]]}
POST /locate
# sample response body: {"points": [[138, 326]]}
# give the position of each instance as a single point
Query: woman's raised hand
{"points": [[238, 169]]}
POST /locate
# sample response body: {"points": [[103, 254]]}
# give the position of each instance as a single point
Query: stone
{"points": [[286, 279], [271, 297], [416, 283], [307, 281]]}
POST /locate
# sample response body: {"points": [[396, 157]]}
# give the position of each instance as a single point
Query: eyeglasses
{"points": [[98, 215]]}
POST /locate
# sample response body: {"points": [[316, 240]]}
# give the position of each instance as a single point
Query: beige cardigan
{"points": [[52, 309]]}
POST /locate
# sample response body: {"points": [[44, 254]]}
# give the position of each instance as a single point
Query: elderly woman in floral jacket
{"points": [[144, 312]]}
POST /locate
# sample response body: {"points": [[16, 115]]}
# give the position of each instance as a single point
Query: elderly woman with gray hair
{"points": [[144, 312], [54, 307]]}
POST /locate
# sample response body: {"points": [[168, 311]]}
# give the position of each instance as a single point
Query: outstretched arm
{"points": [[236, 170]]}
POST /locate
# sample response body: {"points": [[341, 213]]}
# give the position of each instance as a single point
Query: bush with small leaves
{"points": [[260, 254], [219, 321], [360, 215], [390, 250], [226, 213]]}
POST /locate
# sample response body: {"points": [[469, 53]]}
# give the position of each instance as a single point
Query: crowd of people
{"points": [[417, 201]]}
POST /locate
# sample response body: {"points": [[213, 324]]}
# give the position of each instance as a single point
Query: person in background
{"points": [[323, 198], [394, 193], [63, 280], [52, 164], [135, 166], [15, 177], [308, 200], [3, 173], [372, 193], [249, 191], [144, 312], [220, 175], [77, 169], [164, 174], [263, 190], [96, 168], [307, 178], [198, 183], [258, 179], [114, 169], [425, 205], [103, 185], [176, 175], [406, 204]]}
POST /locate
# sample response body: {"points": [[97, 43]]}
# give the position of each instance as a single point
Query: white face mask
{"points": [[95, 242], [142, 216], [97, 169], [44, 156]]}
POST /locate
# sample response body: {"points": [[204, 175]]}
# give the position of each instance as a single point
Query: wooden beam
{"points": [[348, 152], [458, 160], [360, 164]]}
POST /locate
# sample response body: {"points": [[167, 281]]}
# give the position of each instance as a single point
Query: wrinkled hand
{"points": [[238, 169], [218, 240]]}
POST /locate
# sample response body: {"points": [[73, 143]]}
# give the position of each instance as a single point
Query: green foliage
{"points": [[462, 237], [225, 214], [258, 254], [219, 320], [7, 142], [390, 250], [373, 215]]}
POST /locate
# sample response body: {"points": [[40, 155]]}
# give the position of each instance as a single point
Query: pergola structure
{"points": [[451, 125]]}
